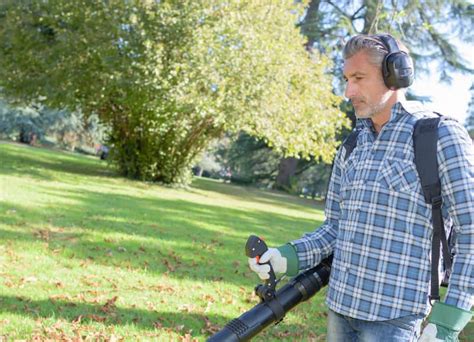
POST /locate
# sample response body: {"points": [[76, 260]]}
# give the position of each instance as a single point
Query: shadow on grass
{"points": [[201, 324], [185, 239], [77, 312]]}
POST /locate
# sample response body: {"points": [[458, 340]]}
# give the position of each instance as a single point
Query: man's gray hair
{"points": [[374, 47], [370, 44]]}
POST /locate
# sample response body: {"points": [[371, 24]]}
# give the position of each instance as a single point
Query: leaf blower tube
{"points": [[273, 307]]}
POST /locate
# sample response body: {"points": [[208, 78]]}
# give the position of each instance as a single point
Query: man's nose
{"points": [[351, 90]]}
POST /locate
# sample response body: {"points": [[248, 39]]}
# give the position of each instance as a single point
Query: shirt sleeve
{"points": [[456, 169], [313, 247]]}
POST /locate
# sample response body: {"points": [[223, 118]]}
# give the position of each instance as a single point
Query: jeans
{"points": [[346, 329]]}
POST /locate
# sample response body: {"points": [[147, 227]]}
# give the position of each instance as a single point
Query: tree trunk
{"points": [[286, 171], [312, 15]]}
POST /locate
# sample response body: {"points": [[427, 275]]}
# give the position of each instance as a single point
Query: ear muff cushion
{"points": [[397, 66], [397, 70]]}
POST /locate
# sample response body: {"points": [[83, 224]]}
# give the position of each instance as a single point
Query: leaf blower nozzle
{"points": [[273, 308]]}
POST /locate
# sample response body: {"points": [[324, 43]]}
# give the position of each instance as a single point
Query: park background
{"points": [[143, 141]]}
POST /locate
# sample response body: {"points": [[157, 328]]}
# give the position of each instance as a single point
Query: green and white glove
{"points": [[274, 257], [445, 323], [283, 260]]}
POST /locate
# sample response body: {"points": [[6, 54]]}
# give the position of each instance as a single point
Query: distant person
{"points": [[103, 152], [378, 226]]}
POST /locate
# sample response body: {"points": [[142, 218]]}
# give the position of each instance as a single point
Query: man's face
{"points": [[364, 86]]}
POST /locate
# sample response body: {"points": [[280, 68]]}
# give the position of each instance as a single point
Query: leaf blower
{"points": [[274, 304]]}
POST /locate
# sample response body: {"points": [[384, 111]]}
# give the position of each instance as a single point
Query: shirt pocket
{"points": [[351, 165], [398, 175]]}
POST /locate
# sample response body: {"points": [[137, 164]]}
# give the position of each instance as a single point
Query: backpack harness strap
{"points": [[425, 141]]}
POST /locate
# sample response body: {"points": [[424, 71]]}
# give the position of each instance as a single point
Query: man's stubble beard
{"points": [[373, 109]]}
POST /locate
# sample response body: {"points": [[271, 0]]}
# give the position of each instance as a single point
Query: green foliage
{"points": [[168, 77], [24, 124], [470, 114], [29, 124], [250, 160], [313, 181], [429, 28]]}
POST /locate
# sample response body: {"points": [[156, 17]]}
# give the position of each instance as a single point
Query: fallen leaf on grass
{"points": [[92, 317], [187, 338], [282, 334], [109, 305], [43, 234], [8, 283], [86, 262], [168, 265], [90, 283], [209, 298], [163, 288], [58, 284], [251, 298], [209, 328], [56, 251]]}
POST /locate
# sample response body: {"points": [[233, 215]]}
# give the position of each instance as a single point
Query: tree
{"points": [[470, 114], [326, 24], [249, 159], [30, 124], [429, 28], [168, 77], [26, 124]]}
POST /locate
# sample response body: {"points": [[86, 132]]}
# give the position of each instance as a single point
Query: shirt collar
{"points": [[398, 110]]}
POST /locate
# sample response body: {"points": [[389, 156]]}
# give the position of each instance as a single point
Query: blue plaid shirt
{"points": [[379, 227]]}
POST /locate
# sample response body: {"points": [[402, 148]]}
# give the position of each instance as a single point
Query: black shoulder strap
{"points": [[425, 142], [351, 142]]}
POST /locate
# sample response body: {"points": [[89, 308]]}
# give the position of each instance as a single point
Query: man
{"points": [[378, 226]]}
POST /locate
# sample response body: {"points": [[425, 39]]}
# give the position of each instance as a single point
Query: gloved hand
{"points": [[445, 323], [278, 262], [429, 334]]}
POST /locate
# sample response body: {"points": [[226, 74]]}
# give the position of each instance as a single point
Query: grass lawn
{"points": [[85, 254]]}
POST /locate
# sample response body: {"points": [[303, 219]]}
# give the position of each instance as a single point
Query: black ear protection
{"points": [[397, 66]]}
